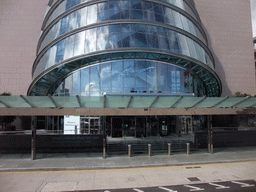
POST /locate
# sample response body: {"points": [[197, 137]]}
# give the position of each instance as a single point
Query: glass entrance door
{"points": [[129, 126], [163, 128], [186, 124], [140, 126], [90, 125]]}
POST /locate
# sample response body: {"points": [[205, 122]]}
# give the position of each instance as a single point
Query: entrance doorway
{"points": [[186, 124], [90, 125], [131, 126], [117, 127], [140, 126]]}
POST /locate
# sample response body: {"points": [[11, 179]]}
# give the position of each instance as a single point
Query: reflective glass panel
{"points": [[95, 80], [114, 10], [131, 77], [85, 87], [141, 76], [117, 77], [106, 77]]}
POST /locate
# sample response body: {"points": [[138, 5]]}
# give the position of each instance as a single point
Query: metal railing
{"points": [[158, 144]]}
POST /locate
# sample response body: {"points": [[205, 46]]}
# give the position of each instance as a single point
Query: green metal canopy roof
{"points": [[117, 101], [159, 104]]}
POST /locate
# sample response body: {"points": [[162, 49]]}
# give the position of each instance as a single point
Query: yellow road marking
{"points": [[126, 169]]}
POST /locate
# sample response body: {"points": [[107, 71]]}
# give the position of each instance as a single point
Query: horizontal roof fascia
{"points": [[121, 105]]}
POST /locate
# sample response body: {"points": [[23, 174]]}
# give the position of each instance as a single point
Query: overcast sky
{"points": [[253, 6]]}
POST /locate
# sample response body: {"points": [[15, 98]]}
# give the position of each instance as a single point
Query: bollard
{"points": [[188, 148], [169, 149], [149, 150], [129, 150]]}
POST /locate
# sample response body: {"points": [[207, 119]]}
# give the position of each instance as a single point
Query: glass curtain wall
{"points": [[117, 10], [120, 36], [130, 77]]}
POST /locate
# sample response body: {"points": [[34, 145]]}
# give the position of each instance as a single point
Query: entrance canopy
{"points": [[122, 105]]}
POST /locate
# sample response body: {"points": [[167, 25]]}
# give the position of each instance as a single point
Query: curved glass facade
{"points": [[63, 6], [116, 10], [123, 47], [122, 36], [130, 77]]}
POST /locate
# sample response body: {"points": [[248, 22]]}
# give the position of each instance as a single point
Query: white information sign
{"points": [[70, 124]]}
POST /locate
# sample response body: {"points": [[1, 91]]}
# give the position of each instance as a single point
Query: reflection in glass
{"points": [[90, 40], [60, 51], [129, 76], [79, 43], [76, 83], [117, 77], [94, 80], [69, 47], [102, 11], [106, 78], [141, 76], [122, 36], [92, 14], [133, 77], [114, 10], [85, 87], [102, 37]]}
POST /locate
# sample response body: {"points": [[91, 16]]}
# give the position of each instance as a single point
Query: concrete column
{"points": [[33, 138]]}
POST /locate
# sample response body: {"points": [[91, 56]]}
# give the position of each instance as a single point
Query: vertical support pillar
{"points": [[104, 137], [33, 138], [58, 124], [111, 132], [210, 134], [135, 126]]}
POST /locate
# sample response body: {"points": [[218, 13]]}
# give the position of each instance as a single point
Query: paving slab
{"points": [[76, 161]]}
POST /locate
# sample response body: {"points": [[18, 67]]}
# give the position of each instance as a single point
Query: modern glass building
{"points": [[124, 47]]}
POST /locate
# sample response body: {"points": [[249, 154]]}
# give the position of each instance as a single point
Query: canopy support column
{"points": [[104, 138], [210, 134], [33, 138]]}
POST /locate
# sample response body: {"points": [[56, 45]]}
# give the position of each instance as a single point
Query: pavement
{"points": [[85, 161]]}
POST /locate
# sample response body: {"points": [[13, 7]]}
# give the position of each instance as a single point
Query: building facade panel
{"points": [[20, 23], [228, 25]]}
